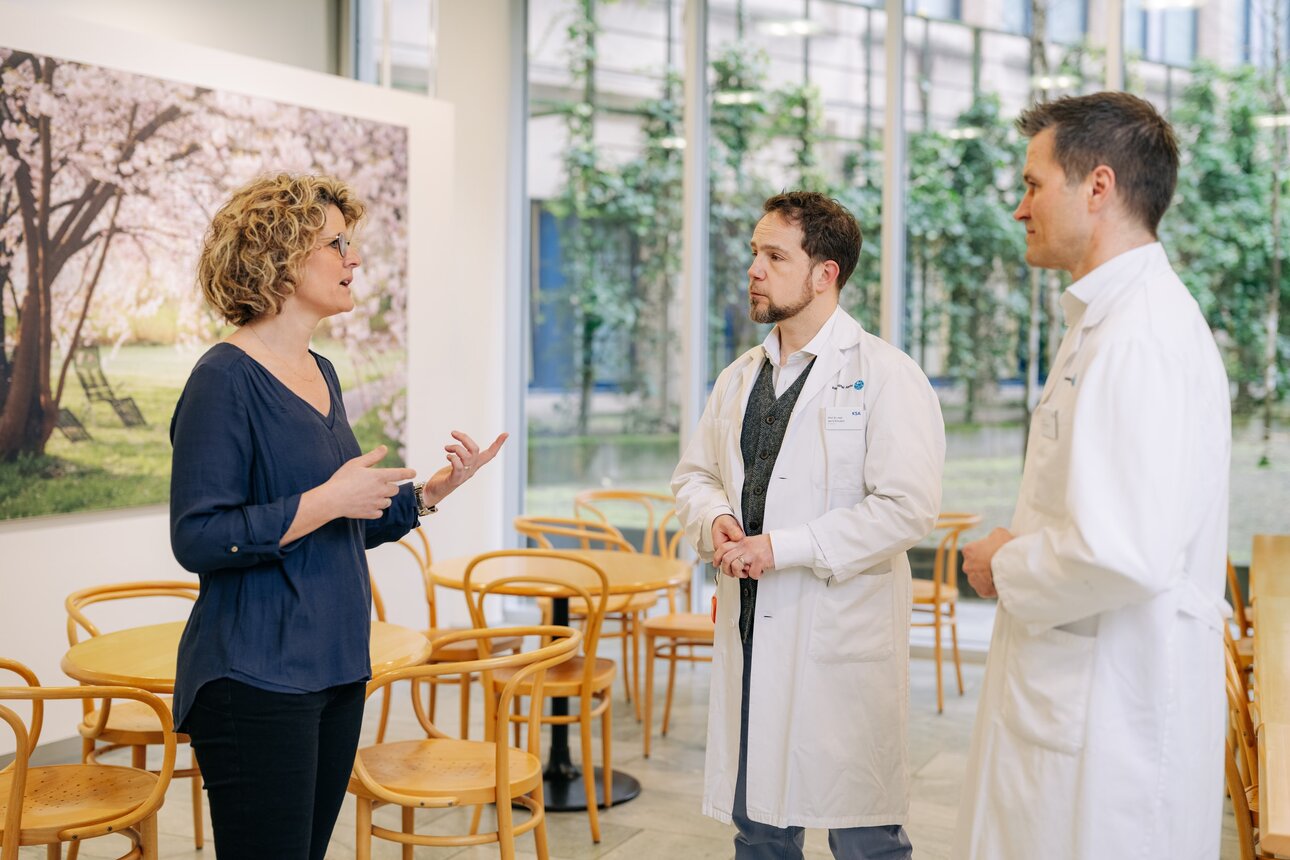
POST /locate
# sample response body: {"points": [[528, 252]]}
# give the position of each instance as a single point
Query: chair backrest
{"points": [[563, 578], [590, 534], [1239, 602], [657, 510], [1238, 700], [78, 622], [27, 737], [1236, 787], [562, 644], [945, 562], [418, 546]]}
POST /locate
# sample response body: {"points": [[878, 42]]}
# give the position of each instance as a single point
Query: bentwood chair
{"points": [[939, 596], [1243, 617], [418, 546], [587, 678], [131, 724], [441, 771], [626, 610], [1241, 766], [71, 803]]}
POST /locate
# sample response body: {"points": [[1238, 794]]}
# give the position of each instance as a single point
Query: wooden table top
{"points": [[144, 657], [1270, 592], [1270, 567], [628, 572]]}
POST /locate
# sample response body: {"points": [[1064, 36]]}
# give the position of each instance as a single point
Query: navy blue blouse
{"points": [[294, 618]]}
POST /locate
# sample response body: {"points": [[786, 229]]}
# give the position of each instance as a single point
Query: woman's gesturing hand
{"points": [[464, 460], [361, 491]]}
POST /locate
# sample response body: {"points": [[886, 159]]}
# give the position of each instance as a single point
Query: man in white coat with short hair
{"points": [[816, 464], [1100, 728]]}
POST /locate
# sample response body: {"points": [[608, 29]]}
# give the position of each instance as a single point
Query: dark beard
{"points": [[777, 313]]}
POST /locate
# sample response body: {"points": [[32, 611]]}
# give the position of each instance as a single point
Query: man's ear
{"points": [[1100, 185], [826, 275]]}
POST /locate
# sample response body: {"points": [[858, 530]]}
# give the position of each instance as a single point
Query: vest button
{"points": [[770, 419], [757, 491], [764, 455]]}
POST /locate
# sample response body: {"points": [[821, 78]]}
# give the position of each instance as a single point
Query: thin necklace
{"points": [[282, 360]]}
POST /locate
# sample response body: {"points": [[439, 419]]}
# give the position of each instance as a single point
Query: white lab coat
{"points": [[829, 691], [1099, 733]]}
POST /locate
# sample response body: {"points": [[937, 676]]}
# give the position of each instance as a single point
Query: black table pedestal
{"points": [[562, 780]]}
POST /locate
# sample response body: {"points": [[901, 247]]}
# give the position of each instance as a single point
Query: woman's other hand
{"points": [[361, 491]]}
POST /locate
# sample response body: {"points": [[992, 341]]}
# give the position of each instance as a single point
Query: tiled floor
{"points": [[664, 821]]}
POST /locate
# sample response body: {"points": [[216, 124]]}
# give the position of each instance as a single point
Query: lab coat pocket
{"points": [[1047, 678], [844, 452], [853, 620], [1048, 457]]}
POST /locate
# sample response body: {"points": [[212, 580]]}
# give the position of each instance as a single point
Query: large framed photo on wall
{"points": [[111, 165]]}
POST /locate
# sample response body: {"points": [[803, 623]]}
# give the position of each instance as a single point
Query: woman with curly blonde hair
{"points": [[273, 505]]}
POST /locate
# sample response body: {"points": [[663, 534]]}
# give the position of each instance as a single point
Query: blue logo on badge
{"points": [[858, 384]]}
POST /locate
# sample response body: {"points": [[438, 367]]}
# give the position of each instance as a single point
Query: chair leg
{"points": [[518, 711], [409, 826], [539, 832], [54, 851], [385, 714], [636, 662], [199, 839], [606, 754], [672, 656], [362, 828], [139, 757], [588, 768], [465, 705], [74, 850], [434, 698], [954, 641], [505, 827], [627, 667], [148, 838], [649, 687], [940, 691], [475, 819]]}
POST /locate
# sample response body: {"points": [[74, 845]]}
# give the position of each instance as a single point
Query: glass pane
{"points": [[604, 179], [793, 106], [411, 43], [968, 291]]}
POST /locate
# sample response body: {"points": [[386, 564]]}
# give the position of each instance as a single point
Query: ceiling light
{"points": [[789, 27], [1053, 82], [968, 133], [1270, 120], [736, 97], [673, 142]]}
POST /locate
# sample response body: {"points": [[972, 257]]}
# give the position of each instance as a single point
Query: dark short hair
{"points": [[829, 231], [1123, 132]]}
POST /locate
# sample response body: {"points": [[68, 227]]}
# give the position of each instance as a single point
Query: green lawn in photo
{"points": [[122, 467]]}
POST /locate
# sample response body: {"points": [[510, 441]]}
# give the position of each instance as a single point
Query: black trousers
{"points": [[275, 765]]}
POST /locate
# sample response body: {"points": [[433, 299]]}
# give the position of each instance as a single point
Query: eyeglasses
{"points": [[340, 243]]}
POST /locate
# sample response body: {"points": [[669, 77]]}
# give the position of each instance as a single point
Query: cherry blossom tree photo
{"points": [[107, 182]]}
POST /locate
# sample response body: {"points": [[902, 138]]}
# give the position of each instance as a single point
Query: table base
{"points": [[569, 795]]}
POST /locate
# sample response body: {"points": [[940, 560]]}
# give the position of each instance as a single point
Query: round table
{"points": [[144, 657], [628, 573]]}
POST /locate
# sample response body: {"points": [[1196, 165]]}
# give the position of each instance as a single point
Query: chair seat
{"points": [[691, 626], [130, 723], [446, 767], [457, 652], [74, 795], [564, 679], [924, 591], [1245, 652]]}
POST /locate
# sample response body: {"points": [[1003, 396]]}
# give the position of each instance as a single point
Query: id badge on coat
{"points": [[844, 418]]}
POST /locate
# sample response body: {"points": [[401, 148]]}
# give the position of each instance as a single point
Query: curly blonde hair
{"points": [[252, 252]]}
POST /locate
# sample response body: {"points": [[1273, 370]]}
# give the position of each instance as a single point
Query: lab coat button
{"points": [[232, 549], [770, 419]]}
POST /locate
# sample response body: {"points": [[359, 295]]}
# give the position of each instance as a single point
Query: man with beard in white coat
{"points": [[816, 464], [1100, 728]]}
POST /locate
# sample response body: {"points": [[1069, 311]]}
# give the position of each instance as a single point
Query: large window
{"points": [[604, 173]]}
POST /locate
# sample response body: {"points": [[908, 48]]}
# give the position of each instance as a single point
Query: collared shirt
{"points": [[786, 375]]}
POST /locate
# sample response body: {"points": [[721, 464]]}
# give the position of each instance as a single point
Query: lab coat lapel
{"points": [[846, 332]]}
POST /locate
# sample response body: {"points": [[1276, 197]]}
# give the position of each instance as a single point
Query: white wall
{"points": [[301, 33], [456, 306]]}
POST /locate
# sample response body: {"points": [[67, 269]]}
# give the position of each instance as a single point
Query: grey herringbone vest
{"points": [[765, 421]]}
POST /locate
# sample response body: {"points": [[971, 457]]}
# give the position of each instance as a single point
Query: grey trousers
{"points": [[757, 841]]}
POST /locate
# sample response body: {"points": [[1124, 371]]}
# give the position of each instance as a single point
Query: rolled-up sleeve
{"points": [[214, 523]]}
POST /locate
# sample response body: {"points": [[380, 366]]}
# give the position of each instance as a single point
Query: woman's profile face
{"points": [[327, 273]]}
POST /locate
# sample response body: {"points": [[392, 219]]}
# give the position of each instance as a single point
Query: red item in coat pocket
{"points": [[714, 609]]}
